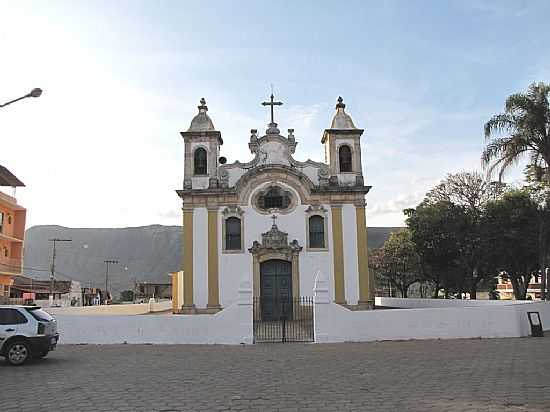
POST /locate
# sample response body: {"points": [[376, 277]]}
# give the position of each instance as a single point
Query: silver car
{"points": [[26, 332]]}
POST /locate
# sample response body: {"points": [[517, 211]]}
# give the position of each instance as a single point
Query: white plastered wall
{"points": [[351, 268], [200, 257], [234, 267]]}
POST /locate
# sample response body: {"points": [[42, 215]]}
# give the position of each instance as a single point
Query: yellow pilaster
{"points": [[213, 282], [366, 284], [187, 256], [338, 254]]}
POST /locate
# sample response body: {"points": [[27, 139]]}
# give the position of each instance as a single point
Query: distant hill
{"points": [[145, 253], [376, 236]]}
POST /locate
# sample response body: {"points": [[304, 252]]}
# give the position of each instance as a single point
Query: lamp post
{"points": [[36, 92]]}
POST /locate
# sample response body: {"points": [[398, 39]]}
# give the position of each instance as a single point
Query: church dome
{"points": [[341, 119], [201, 122]]}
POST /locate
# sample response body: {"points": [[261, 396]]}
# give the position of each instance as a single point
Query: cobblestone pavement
{"points": [[452, 375]]}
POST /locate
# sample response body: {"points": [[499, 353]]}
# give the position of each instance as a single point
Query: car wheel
{"points": [[18, 352]]}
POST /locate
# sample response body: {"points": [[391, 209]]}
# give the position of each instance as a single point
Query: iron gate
{"points": [[283, 319]]}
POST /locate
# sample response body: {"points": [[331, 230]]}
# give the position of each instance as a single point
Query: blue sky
{"points": [[101, 147]]}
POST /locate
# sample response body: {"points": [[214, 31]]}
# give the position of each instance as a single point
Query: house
{"points": [[506, 291], [12, 233], [146, 290], [65, 292]]}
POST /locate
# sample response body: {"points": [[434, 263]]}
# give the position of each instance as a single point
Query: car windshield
{"points": [[39, 314]]}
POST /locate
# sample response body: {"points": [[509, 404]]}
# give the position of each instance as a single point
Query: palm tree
{"points": [[523, 130]]}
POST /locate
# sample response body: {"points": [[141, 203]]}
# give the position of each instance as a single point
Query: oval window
{"points": [[274, 197]]}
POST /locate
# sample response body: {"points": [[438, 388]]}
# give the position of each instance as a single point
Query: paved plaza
{"points": [[451, 375]]}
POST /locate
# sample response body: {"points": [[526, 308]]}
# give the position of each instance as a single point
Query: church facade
{"points": [[274, 221]]}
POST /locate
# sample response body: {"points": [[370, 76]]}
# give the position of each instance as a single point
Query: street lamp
{"points": [[36, 92]]}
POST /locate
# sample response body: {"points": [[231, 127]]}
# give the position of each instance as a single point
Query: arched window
{"points": [[199, 161], [233, 233], [316, 232], [344, 156]]}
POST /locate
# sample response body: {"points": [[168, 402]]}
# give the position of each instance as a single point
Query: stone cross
{"points": [[272, 104], [274, 218]]}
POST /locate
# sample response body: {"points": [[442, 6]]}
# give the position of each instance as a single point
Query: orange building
{"points": [[12, 232]]}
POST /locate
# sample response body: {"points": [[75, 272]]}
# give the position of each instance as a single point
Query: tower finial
{"points": [[340, 104], [203, 104]]}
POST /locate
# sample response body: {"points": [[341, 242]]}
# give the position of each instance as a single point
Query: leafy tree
{"points": [[472, 191], [437, 230], [509, 240], [397, 262], [469, 189], [523, 130]]}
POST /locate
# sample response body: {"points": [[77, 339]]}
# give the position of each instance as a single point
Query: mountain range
{"points": [[144, 254]]}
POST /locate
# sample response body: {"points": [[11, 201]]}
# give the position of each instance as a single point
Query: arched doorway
{"points": [[276, 289]]}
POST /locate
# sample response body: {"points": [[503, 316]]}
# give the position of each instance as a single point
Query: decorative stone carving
{"points": [[187, 183], [291, 137], [275, 240], [213, 183], [223, 176], [316, 209], [253, 144], [232, 210], [324, 174]]}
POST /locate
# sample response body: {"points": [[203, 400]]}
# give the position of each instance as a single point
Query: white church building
{"points": [[274, 221]]}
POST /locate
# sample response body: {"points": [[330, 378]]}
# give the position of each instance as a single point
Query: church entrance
{"points": [[276, 289], [278, 316]]}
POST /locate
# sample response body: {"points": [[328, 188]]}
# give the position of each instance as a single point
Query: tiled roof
{"points": [[25, 284], [7, 178]]}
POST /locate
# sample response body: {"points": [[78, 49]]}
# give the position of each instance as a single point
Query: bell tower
{"points": [[202, 151], [343, 149]]}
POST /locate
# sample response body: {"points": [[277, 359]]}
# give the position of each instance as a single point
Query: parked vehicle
{"points": [[26, 332]]}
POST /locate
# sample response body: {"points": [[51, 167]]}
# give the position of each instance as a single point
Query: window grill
{"points": [[233, 233], [316, 232], [200, 162], [344, 156]]}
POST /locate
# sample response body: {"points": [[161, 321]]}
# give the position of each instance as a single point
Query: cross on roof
{"points": [[274, 218], [272, 104]]}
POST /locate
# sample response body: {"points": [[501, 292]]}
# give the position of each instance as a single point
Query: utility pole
{"points": [[113, 261], [52, 267]]}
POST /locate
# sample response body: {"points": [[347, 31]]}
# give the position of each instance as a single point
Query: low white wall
{"points": [[233, 325], [123, 309], [408, 303], [334, 323]]}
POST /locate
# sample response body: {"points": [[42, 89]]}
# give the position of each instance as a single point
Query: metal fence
{"points": [[283, 319]]}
